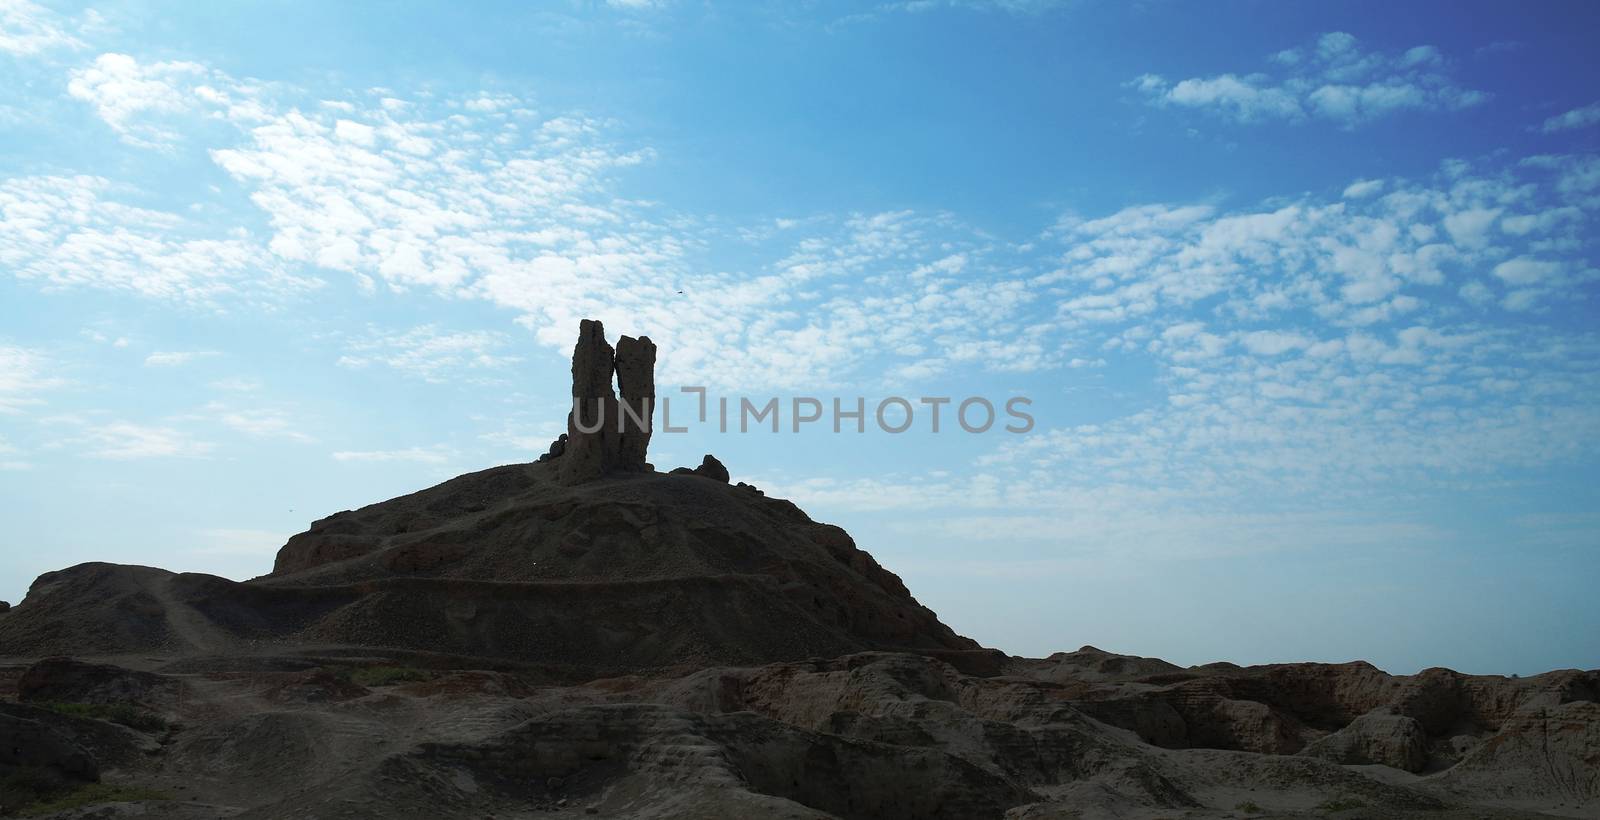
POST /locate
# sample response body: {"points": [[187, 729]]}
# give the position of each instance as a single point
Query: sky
{"points": [[1301, 296]]}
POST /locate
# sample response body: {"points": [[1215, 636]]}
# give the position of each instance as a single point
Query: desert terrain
{"points": [[584, 635]]}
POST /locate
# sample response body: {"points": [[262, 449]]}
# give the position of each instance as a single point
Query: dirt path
{"points": [[186, 624]]}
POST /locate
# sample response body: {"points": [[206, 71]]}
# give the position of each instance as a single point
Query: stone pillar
{"points": [[636, 379], [593, 441]]}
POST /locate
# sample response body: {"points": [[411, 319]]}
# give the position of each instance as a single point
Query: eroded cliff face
{"points": [[868, 735]]}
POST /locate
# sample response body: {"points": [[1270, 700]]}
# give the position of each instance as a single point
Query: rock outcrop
{"points": [[710, 467], [1381, 736], [30, 744], [606, 434], [1546, 752], [636, 381], [594, 443], [557, 449], [66, 680], [879, 736], [1348, 714]]}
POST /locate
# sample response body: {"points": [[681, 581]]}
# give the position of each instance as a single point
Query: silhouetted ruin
{"points": [[605, 434]]}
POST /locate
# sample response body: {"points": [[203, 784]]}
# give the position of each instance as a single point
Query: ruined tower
{"points": [[636, 380], [601, 437]]}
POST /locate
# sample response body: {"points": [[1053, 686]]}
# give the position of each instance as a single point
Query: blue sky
{"points": [[1303, 294]]}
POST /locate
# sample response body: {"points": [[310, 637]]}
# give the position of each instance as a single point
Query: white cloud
{"points": [[421, 455], [240, 542], [155, 105], [257, 422], [350, 131], [8, 460], [1021, 8], [1362, 189], [24, 377], [132, 98], [1576, 118], [1273, 342], [1499, 47], [1410, 406], [237, 384], [27, 29], [1357, 262], [410, 196], [175, 358], [428, 353], [124, 441], [1470, 227], [1331, 79], [1247, 98], [1476, 293], [1544, 221], [100, 338], [530, 434], [530, 223], [71, 232], [1526, 271], [1304, 401]]}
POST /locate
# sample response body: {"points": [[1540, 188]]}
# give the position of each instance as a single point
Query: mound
{"points": [[630, 572], [90, 608], [587, 560]]}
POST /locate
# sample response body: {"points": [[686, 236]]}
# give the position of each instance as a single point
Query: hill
{"points": [[584, 635]]}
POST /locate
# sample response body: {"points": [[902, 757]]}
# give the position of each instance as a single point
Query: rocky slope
{"points": [[631, 572], [867, 735]]}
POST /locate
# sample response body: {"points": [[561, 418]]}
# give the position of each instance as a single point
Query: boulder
{"points": [[67, 680], [711, 468], [557, 447], [1381, 736], [33, 745]]}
